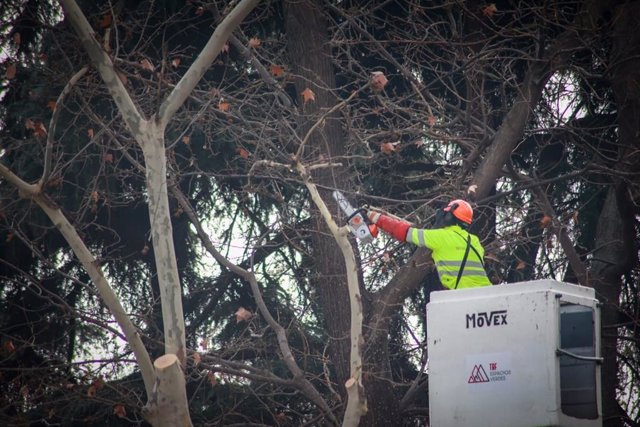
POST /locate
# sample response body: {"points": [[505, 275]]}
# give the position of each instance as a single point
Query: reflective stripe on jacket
{"points": [[448, 246]]}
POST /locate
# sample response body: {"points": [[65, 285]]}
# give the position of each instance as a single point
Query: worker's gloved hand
{"points": [[373, 216], [396, 227]]}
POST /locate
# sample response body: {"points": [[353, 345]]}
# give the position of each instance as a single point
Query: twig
{"points": [[54, 121]]}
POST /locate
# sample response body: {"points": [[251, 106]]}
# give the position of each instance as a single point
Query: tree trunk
{"points": [[162, 238], [309, 50], [310, 54], [616, 251], [168, 405], [612, 257]]}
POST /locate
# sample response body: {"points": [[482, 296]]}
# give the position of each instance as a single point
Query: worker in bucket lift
{"points": [[458, 254]]}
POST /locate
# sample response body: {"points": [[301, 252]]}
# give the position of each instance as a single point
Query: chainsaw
{"points": [[356, 219]]}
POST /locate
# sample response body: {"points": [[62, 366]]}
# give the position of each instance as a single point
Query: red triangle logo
{"points": [[478, 375]]}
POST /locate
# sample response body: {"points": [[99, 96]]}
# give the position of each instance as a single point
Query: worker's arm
{"points": [[397, 228]]}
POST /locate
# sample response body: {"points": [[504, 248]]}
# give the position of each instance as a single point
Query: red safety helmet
{"points": [[461, 210]]}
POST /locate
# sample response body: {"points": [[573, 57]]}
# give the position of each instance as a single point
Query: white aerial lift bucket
{"points": [[522, 354]]}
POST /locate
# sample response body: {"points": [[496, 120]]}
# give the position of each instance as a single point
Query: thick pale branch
{"points": [[93, 269], [163, 245], [211, 50], [106, 293], [104, 65], [356, 404], [24, 188], [511, 131], [168, 405]]}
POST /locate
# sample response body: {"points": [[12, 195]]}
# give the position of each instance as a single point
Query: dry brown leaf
{"points": [[119, 411], [147, 65], [276, 70], [388, 147], [39, 129], [225, 48], [378, 80], [308, 95], [108, 158], [91, 391], [175, 62], [199, 11], [8, 346], [431, 120], [545, 221], [197, 358], [105, 21], [90, 133], [489, 10], [51, 105], [243, 152], [254, 42], [94, 196], [145, 250], [243, 315], [186, 140], [11, 71], [223, 106], [521, 265], [29, 124]]}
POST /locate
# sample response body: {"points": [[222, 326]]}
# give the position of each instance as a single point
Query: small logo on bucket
{"points": [[478, 375]]}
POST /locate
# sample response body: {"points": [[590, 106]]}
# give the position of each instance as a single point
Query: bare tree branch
{"points": [[54, 121], [195, 72]]}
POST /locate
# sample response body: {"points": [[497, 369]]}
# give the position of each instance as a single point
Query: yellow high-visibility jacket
{"points": [[448, 246]]}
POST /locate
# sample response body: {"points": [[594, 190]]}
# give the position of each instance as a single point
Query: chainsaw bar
{"points": [[356, 219]]}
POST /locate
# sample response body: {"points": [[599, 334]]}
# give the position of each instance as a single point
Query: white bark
{"points": [[102, 62], [162, 238], [88, 261], [356, 402], [168, 405], [150, 136]]}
